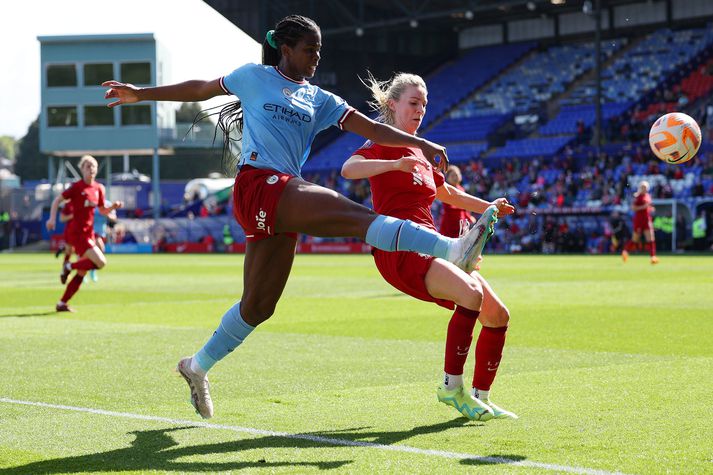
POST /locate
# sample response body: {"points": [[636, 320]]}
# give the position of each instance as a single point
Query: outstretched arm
{"points": [[460, 199], [391, 136], [188, 91], [359, 167]]}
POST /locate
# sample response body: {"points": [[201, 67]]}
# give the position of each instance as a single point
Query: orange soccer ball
{"points": [[675, 138]]}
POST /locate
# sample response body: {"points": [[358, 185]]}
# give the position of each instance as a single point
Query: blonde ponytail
{"points": [[383, 91]]}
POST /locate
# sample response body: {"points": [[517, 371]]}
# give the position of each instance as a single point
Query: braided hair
{"points": [[288, 31]]}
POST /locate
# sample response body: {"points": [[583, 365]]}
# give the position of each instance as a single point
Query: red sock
{"points": [[84, 264], [651, 246], [66, 258], [458, 339], [488, 352], [72, 287]]}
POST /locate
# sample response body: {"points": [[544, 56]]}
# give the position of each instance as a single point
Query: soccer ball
{"points": [[675, 138]]}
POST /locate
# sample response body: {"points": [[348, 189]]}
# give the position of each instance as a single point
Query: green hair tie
{"points": [[270, 39]]}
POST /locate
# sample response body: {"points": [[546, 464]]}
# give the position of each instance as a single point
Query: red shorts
{"points": [[256, 195], [642, 224], [407, 272], [454, 227], [81, 242]]}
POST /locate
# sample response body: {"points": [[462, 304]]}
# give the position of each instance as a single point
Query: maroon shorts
{"points": [[256, 195], [642, 224], [81, 242], [454, 227], [407, 272]]}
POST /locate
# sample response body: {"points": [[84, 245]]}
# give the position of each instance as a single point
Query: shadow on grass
{"points": [[358, 436], [494, 459], [157, 450], [30, 314]]}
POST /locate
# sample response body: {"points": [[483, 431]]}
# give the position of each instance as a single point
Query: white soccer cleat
{"points": [[470, 246], [200, 388]]}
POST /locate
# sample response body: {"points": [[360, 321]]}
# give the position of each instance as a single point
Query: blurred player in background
{"points": [[65, 216], [84, 195], [404, 185], [643, 224], [454, 221], [619, 232], [282, 114]]}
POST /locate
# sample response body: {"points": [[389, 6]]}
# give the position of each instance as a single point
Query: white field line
{"points": [[322, 440]]}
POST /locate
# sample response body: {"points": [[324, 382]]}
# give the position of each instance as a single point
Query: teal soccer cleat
{"points": [[472, 408], [499, 412]]}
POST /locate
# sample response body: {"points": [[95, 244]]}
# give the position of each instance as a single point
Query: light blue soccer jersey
{"points": [[99, 223], [281, 116]]}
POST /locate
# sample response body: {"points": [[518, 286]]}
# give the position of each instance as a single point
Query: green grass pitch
{"points": [[609, 365]]}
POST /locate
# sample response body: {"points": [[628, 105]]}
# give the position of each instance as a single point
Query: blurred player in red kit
{"points": [[84, 195], [454, 221], [643, 224]]}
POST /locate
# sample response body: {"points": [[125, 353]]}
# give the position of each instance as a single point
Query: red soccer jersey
{"points": [[453, 219], [84, 199], [400, 194], [642, 214], [66, 209]]}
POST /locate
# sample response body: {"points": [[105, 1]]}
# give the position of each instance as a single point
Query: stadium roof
{"points": [[337, 17]]}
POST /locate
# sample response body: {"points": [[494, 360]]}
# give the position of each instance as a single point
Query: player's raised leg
{"points": [[341, 217]]}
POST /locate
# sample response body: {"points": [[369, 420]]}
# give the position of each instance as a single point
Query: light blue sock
{"points": [[392, 234], [229, 335]]}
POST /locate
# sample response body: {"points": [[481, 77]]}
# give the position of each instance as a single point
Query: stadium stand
{"points": [[446, 88]]}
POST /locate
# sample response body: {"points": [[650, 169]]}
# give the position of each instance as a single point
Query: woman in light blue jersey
{"points": [[279, 113]]}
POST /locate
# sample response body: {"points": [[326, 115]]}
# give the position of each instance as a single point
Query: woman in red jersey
{"points": [[84, 195], [643, 224], [404, 185], [454, 220]]}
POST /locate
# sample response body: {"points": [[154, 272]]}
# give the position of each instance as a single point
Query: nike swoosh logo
{"points": [[493, 367]]}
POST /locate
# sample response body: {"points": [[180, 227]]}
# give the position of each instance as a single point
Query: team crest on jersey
{"points": [[89, 201], [287, 91], [272, 179]]}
